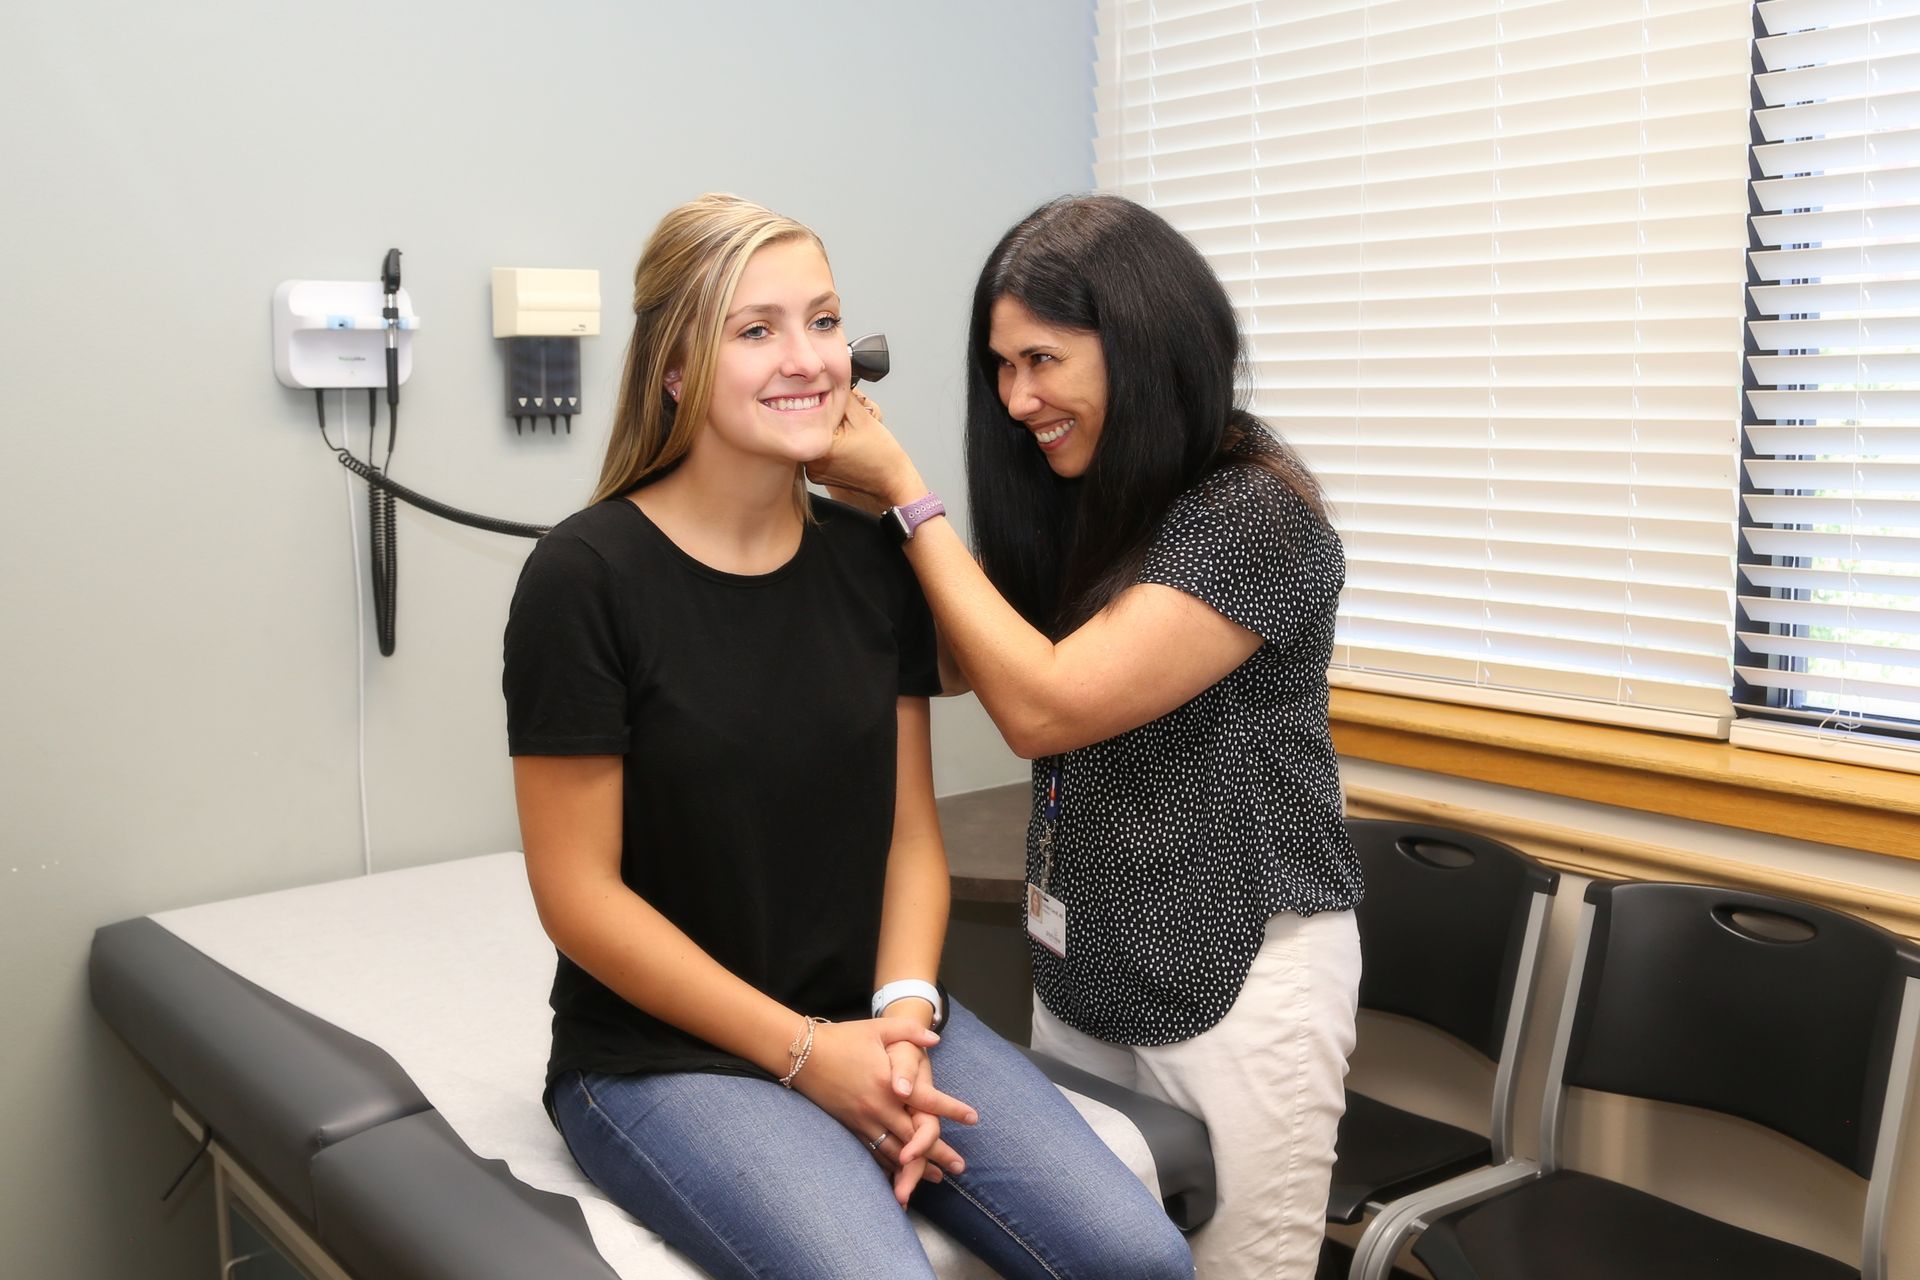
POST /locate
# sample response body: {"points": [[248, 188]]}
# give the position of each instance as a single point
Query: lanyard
{"points": [[1050, 813]]}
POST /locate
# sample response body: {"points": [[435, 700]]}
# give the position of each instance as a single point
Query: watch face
{"points": [[896, 523]]}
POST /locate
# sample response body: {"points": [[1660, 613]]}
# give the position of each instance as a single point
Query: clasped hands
{"points": [[875, 1078]]}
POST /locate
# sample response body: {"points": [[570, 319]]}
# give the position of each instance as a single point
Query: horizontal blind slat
{"points": [[1835, 654]]}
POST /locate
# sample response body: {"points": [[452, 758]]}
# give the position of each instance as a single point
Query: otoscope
{"points": [[383, 525], [390, 283]]}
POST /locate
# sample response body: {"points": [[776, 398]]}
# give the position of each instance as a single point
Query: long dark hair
{"points": [[1057, 549]]}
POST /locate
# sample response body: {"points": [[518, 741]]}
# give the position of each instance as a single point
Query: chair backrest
{"points": [[1765, 1008], [1444, 927]]}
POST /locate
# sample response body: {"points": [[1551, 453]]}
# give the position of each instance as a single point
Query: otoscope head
{"points": [[870, 359], [390, 272]]}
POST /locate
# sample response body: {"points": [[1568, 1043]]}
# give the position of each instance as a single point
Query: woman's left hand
{"points": [[924, 1155], [866, 467]]}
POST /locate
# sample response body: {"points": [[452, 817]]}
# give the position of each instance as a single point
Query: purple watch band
{"points": [[905, 519]]}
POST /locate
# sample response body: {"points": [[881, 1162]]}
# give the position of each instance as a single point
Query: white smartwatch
{"points": [[934, 993]]}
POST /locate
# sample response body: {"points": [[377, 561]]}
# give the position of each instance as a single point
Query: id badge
{"points": [[1047, 920]]}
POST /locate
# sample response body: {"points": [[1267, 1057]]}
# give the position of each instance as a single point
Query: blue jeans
{"points": [[752, 1180]]}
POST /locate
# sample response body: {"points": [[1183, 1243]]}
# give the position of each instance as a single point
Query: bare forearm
{"points": [[953, 678], [644, 958], [1009, 664], [1149, 650], [913, 912], [913, 920]]}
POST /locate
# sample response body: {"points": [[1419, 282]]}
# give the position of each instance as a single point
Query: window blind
{"points": [[1829, 618], [1488, 258]]}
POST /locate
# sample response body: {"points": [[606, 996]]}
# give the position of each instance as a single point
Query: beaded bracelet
{"points": [[798, 1053]]}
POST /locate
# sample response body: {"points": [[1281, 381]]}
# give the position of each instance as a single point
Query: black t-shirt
{"points": [[757, 718]]}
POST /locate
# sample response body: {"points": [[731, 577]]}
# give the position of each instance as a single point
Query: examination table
{"points": [[364, 1058]]}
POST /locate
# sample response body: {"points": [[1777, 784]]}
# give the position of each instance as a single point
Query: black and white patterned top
{"points": [[1178, 840]]}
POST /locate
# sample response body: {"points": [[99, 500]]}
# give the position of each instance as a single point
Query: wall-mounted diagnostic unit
{"points": [[543, 312], [331, 333]]}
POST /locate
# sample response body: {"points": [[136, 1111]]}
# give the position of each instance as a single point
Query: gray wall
{"points": [[179, 633]]}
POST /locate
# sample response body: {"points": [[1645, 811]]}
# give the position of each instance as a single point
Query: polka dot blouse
{"points": [[1178, 840]]}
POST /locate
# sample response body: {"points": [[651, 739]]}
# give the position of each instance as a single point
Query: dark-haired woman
{"points": [[1150, 622]]}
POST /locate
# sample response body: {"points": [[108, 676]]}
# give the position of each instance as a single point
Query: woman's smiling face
{"points": [[782, 374], [1053, 381]]}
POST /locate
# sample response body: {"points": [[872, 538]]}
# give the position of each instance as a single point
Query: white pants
{"points": [[1268, 1080]]}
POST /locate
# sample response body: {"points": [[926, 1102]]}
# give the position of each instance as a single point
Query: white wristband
{"points": [[901, 988]]}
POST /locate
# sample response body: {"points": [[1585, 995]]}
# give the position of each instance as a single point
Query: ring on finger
{"points": [[875, 1144]]}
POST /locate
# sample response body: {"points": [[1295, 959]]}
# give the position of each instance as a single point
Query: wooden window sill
{"points": [[1853, 806]]}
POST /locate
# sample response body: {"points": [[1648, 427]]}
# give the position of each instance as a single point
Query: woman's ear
{"points": [[673, 384]]}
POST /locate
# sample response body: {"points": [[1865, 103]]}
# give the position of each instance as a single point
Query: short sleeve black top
{"points": [[757, 718], [1177, 841]]}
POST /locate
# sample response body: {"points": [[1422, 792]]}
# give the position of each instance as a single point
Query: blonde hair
{"points": [[681, 290]]}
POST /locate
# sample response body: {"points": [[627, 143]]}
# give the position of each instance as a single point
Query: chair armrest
{"points": [[1182, 1152], [1373, 1258]]}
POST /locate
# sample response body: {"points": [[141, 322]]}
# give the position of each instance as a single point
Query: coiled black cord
{"points": [[492, 524], [382, 522], [383, 531]]}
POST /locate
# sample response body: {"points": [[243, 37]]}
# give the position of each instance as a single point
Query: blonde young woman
{"points": [[717, 707]]}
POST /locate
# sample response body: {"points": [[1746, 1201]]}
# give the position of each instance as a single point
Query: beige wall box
{"points": [[545, 302]]}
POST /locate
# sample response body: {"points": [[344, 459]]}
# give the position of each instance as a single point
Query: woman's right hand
{"points": [[866, 466], [850, 1076]]}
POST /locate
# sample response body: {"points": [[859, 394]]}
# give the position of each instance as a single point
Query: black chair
{"points": [[1792, 1016], [1450, 934]]}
